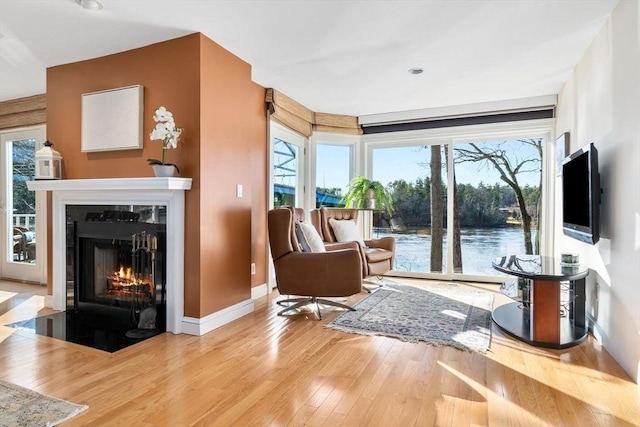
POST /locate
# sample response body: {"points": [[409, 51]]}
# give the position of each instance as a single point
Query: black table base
{"points": [[515, 320]]}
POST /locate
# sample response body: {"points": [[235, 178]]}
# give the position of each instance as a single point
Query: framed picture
{"points": [[112, 119], [562, 150]]}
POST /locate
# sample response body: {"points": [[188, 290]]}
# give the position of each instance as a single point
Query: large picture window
{"points": [[461, 198]]}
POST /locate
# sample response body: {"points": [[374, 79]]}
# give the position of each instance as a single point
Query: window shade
{"points": [[20, 112], [296, 116]]}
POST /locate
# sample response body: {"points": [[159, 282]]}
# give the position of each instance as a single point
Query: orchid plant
{"points": [[167, 132]]}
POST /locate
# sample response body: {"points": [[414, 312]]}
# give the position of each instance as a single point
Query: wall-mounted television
{"points": [[581, 195]]}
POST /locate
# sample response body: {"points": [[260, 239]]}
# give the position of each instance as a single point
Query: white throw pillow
{"points": [[313, 238], [346, 230]]}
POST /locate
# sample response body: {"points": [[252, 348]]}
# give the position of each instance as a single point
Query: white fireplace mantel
{"points": [[111, 191]]}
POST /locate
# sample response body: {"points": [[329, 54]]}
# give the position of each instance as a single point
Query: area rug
{"points": [[443, 315], [20, 406]]}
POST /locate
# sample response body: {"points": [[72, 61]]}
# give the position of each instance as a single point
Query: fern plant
{"points": [[362, 189]]}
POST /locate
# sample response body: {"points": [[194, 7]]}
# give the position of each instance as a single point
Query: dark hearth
{"points": [[97, 331]]}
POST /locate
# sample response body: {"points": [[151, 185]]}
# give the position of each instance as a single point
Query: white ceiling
{"points": [[342, 57]]}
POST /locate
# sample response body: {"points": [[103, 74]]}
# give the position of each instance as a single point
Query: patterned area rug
{"points": [[437, 315], [23, 407]]}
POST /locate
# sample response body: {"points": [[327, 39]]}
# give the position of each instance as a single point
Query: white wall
{"points": [[600, 103]]}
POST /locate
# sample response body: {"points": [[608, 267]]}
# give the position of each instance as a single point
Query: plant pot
{"points": [[163, 170], [369, 204], [370, 200]]}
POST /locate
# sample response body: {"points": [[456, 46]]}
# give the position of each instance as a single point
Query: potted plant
{"points": [[365, 193], [167, 132]]}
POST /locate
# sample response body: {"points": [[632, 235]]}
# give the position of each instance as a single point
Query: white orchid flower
{"points": [[162, 115], [165, 131]]}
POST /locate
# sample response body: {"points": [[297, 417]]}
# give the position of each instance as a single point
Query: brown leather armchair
{"points": [[377, 254], [311, 275]]}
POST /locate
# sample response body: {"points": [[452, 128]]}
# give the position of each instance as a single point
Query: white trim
{"points": [[201, 326], [467, 110], [136, 191], [596, 331], [259, 291], [111, 184]]}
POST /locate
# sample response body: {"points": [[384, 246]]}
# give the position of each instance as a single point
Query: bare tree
{"points": [[508, 166]]}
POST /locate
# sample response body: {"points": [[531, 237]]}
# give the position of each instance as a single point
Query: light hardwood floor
{"points": [[265, 370]]}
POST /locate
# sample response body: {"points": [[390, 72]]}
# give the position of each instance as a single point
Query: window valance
{"points": [[20, 112], [296, 116]]}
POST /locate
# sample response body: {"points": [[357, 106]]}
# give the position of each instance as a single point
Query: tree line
{"points": [[479, 206]]}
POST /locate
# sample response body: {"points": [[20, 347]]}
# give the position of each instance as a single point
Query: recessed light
{"points": [[416, 70], [90, 4]]}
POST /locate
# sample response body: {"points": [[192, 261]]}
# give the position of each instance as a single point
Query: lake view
{"points": [[479, 247]]}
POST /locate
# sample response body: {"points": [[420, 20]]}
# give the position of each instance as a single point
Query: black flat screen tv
{"points": [[581, 195]]}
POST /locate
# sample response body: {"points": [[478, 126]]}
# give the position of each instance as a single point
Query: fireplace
{"points": [[98, 195], [118, 269]]}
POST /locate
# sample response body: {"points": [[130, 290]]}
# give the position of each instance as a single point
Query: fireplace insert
{"points": [[119, 275]]}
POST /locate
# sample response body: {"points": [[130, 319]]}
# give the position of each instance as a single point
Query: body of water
{"points": [[479, 247]]}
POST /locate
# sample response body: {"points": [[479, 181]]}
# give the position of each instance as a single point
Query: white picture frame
{"points": [[112, 119]]}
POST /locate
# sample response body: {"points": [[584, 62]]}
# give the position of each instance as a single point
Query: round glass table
{"points": [[541, 323]]}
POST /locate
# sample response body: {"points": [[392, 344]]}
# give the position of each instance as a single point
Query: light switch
{"points": [[239, 190]]}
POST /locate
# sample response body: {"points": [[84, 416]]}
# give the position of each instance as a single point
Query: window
{"points": [[288, 160], [407, 172], [333, 173], [462, 196], [497, 198]]}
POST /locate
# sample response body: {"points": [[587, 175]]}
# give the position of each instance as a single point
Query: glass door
{"points": [[23, 228]]}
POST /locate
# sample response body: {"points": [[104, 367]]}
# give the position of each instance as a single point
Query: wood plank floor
{"points": [[265, 370]]}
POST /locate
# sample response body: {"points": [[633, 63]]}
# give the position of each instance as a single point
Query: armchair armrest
{"points": [[333, 246], [329, 274], [388, 243]]}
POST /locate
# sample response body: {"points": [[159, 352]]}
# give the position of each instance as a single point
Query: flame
{"points": [[124, 274], [124, 282]]}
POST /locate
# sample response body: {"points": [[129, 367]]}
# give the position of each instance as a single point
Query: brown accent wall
{"points": [[211, 95], [231, 131]]}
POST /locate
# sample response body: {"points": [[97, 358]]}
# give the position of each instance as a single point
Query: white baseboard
{"points": [[595, 329], [201, 326], [258, 291], [48, 301]]}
